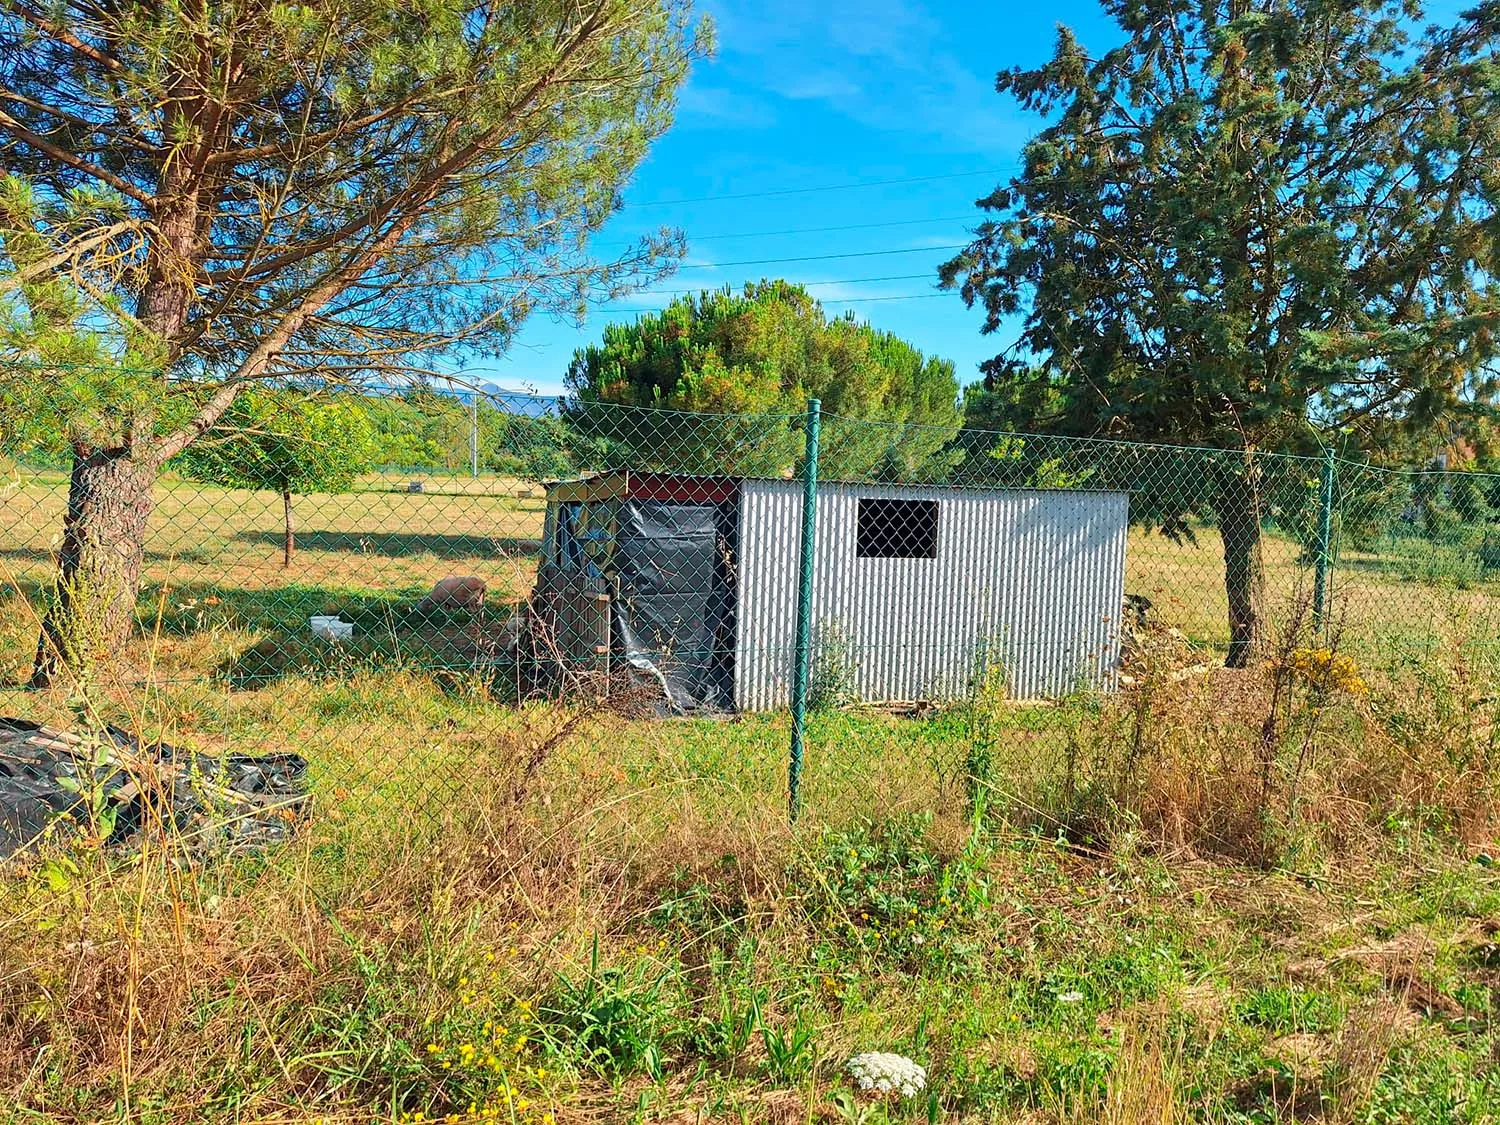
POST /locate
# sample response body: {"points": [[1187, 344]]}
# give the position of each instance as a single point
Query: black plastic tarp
{"points": [[53, 781], [673, 613]]}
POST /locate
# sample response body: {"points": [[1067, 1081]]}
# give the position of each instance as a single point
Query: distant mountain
{"points": [[507, 399]]}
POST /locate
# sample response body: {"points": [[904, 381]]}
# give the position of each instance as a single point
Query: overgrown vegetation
{"points": [[1258, 895], [1249, 894]]}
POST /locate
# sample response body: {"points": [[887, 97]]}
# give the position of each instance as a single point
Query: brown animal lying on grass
{"points": [[465, 594]]}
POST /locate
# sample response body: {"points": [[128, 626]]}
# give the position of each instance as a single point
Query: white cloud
{"points": [[881, 29], [828, 86], [885, 64], [717, 106]]}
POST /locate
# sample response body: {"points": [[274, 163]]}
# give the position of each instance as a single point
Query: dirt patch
{"points": [[1293, 1097], [1405, 966]]}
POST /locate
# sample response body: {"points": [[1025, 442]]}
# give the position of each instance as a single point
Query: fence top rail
{"points": [[466, 388]]}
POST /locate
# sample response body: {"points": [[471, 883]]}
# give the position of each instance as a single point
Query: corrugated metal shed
{"points": [[1031, 579]]}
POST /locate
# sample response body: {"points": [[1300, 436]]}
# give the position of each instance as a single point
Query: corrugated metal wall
{"points": [[1032, 579]]}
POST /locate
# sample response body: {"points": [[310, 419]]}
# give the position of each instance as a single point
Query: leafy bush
{"points": [[887, 889]]}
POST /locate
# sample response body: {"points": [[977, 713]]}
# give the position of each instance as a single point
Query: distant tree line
{"points": [[717, 383], [431, 428], [762, 353]]}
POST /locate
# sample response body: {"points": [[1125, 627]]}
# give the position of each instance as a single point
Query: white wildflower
{"points": [[877, 1072], [1069, 997]]}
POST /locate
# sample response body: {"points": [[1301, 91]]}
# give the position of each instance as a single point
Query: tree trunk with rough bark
{"points": [[92, 606], [1238, 509], [109, 495], [290, 544]]}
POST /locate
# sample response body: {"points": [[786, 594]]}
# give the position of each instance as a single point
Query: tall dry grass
{"points": [[1306, 753], [307, 984]]}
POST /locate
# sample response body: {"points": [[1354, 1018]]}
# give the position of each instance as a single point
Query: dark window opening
{"points": [[567, 551], [896, 529]]}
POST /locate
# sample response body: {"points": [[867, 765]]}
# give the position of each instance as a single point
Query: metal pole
{"points": [[802, 666], [1323, 561], [474, 434]]}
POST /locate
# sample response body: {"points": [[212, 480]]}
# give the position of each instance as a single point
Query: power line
{"points": [[827, 257], [866, 300], [803, 284], [828, 230], [823, 300], [820, 230], [824, 187]]}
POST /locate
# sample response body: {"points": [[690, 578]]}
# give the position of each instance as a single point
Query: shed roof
{"points": [[619, 484], [616, 484]]}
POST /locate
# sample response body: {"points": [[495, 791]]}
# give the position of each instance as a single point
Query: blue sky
{"points": [[811, 93]]}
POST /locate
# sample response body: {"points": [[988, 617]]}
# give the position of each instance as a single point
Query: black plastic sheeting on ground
{"points": [[674, 617], [55, 782]]}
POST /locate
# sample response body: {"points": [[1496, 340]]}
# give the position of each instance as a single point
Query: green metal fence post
{"points": [[1323, 561], [802, 666]]}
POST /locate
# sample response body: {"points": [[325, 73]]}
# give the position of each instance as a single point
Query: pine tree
{"points": [[298, 193], [1252, 223], [765, 351]]}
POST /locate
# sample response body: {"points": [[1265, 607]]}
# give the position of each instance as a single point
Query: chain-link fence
{"points": [[285, 590]]}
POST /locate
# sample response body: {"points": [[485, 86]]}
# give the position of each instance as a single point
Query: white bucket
{"points": [[331, 628]]}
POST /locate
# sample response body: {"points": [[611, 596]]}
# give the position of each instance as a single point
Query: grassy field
{"points": [[215, 583], [379, 538], [1264, 896]]}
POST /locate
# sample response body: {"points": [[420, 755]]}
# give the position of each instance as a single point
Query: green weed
{"points": [[616, 1020]]}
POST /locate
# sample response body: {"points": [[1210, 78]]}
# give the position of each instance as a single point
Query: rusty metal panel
{"points": [[1029, 581]]}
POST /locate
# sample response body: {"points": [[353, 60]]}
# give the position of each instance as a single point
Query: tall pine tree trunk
{"points": [[290, 543], [109, 493], [92, 606], [1238, 509]]}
